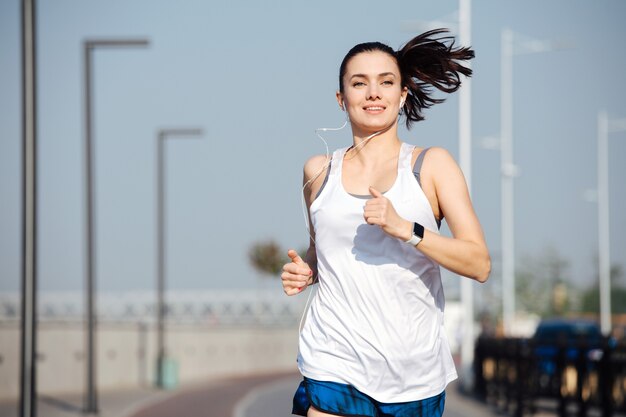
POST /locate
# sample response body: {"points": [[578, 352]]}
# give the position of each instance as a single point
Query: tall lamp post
{"points": [[507, 172], [162, 136], [89, 46], [28, 363], [465, 162], [511, 44], [605, 126], [464, 30]]}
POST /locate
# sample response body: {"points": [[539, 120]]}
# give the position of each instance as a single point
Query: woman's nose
{"points": [[373, 91]]}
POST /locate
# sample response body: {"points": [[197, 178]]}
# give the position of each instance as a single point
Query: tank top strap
{"points": [[405, 157], [417, 168], [333, 167], [337, 161]]}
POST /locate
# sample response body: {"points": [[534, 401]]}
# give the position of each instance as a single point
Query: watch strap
{"points": [[414, 240]]}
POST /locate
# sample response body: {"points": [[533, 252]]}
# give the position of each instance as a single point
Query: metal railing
{"points": [[518, 376], [219, 309]]}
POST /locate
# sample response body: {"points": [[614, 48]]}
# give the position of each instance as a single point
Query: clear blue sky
{"points": [[259, 77]]}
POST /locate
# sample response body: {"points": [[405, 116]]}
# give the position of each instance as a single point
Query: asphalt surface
{"points": [[251, 396], [118, 403], [215, 399], [270, 396]]}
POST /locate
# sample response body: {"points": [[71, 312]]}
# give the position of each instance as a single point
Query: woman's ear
{"points": [[340, 100], [405, 92]]}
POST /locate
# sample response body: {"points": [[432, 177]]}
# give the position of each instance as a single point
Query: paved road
{"points": [[252, 396], [274, 400], [215, 399], [268, 396]]}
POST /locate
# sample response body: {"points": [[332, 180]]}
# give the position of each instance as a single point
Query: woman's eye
{"points": [[358, 84], [387, 82]]}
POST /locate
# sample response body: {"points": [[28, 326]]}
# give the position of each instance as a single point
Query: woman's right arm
{"points": [[300, 273]]}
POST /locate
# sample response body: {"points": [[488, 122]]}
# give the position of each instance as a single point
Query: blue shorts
{"points": [[345, 400]]}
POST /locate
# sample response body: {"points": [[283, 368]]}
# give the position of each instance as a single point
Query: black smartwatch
{"points": [[418, 234]]}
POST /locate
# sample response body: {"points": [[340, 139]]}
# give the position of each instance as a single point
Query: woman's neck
{"points": [[375, 146]]}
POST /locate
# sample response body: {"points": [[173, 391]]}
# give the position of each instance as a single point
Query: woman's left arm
{"points": [[465, 253]]}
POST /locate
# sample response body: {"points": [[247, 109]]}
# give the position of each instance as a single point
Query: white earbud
{"points": [[401, 103]]}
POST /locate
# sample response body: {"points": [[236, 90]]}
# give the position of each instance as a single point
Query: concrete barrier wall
{"points": [[126, 354], [9, 359]]}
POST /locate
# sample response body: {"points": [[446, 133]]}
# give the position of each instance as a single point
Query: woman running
{"points": [[373, 342]]}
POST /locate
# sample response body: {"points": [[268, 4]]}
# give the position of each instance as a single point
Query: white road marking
{"points": [[246, 402]]}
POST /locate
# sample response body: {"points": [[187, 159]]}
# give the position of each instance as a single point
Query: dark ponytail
{"points": [[426, 61]]}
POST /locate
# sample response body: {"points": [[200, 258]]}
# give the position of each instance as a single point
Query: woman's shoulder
{"points": [[434, 155], [319, 163], [315, 165], [433, 151], [440, 168]]}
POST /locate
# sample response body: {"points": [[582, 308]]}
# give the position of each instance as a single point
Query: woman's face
{"points": [[372, 91]]}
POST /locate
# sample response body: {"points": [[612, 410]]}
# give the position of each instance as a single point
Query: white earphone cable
{"points": [[305, 212]]}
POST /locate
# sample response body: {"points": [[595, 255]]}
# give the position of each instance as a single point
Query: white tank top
{"points": [[376, 321]]}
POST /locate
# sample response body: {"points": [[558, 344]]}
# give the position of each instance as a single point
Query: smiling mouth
{"points": [[374, 108]]}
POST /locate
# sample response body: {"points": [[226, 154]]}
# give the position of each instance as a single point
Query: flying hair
{"points": [[426, 61]]}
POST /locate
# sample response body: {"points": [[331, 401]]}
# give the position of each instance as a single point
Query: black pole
{"points": [[160, 259], [561, 364], [28, 364], [607, 376], [582, 348], [162, 136], [91, 395]]}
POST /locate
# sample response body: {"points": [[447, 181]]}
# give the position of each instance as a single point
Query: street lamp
{"points": [[162, 136], [91, 399], [605, 126], [511, 44], [28, 345], [463, 27]]}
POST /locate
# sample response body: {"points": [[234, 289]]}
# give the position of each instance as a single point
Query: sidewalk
{"points": [[122, 403]]}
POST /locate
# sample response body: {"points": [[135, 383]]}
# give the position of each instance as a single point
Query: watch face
{"points": [[418, 230]]}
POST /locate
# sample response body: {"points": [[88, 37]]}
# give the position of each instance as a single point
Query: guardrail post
{"points": [[606, 380], [501, 380], [581, 375], [561, 362], [480, 388]]}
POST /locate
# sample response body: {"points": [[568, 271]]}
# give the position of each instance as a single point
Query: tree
{"points": [[267, 257], [591, 297], [541, 284]]}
